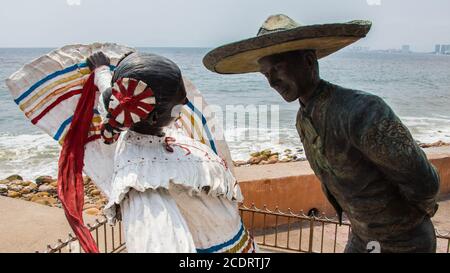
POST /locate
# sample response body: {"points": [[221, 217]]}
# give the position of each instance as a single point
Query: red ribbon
{"points": [[71, 163], [170, 141]]}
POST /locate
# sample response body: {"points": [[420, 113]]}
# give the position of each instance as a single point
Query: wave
{"points": [[28, 155], [244, 141], [429, 129]]}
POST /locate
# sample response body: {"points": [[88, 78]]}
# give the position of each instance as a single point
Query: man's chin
{"points": [[289, 99], [286, 95]]}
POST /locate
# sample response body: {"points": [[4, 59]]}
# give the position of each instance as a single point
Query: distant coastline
{"points": [[406, 49]]}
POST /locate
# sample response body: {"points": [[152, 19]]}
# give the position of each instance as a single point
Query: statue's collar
{"points": [[321, 87]]}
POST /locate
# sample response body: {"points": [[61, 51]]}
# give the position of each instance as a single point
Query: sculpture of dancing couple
{"points": [[121, 118]]}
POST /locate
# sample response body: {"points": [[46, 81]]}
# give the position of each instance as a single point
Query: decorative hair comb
{"points": [[131, 102]]}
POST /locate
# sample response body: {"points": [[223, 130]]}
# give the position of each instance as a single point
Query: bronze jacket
{"points": [[369, 165]]}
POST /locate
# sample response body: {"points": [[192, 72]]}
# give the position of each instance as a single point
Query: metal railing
{"points": [[443, 241], [294, 232], [109, 239], [299, 232], [273, 230]]}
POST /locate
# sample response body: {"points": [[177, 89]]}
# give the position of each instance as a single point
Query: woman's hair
{"points": [[161, 74]]}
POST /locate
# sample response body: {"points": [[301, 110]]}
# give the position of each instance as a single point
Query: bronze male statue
{"points": [[370, 167]]}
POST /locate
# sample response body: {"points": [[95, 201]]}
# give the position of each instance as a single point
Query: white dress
{"points": [[180, 201]]}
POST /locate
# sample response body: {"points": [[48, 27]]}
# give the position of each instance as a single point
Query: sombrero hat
{"points": [[279, 34]]}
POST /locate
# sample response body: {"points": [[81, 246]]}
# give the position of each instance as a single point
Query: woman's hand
{"points": [[97, 60]]}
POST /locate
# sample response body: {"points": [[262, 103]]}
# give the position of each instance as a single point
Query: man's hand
{"points": [[97, 60]]}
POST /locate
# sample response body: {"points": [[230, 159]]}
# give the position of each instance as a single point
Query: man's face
{"points": [[289, 74]]}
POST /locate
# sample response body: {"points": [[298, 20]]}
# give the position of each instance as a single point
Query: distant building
{"points": [[445, 49], [406, 49], [442, 49], [437, 49], [359, 49]]}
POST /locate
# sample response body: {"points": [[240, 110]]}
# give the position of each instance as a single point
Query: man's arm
{"points": [[379, 134]]}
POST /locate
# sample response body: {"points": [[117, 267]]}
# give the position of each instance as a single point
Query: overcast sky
{"points": [[209, 23]]}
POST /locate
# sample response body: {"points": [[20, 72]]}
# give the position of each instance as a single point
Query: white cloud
{"points": [[73, 2], [374, 2]]}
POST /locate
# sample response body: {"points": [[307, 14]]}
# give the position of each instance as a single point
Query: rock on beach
{"points": [[44, 191]]}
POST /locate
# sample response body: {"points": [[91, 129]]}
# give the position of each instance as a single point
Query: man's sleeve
{"points": [[379, 134]]}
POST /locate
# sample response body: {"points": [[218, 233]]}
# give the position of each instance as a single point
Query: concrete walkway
{"points": [[29, 227]]}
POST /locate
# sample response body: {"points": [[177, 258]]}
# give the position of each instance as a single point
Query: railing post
{"points": [[311, 235], [74, 247]]}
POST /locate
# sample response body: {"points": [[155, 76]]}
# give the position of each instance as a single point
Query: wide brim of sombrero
{"points": [[242, 57]]}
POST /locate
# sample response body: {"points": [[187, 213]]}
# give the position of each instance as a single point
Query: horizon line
{"points": [[51, 47]]}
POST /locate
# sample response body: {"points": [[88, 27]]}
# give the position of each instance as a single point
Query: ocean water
{"points": [[417, 86]]}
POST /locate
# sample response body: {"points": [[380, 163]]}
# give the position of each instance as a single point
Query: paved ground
{"points": [[29, 227]]}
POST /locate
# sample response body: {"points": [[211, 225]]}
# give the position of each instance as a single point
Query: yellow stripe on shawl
{"points": [[197, 128], [80, 73], [240, 245], [186, 128], [54, 94], [94, 128]]}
